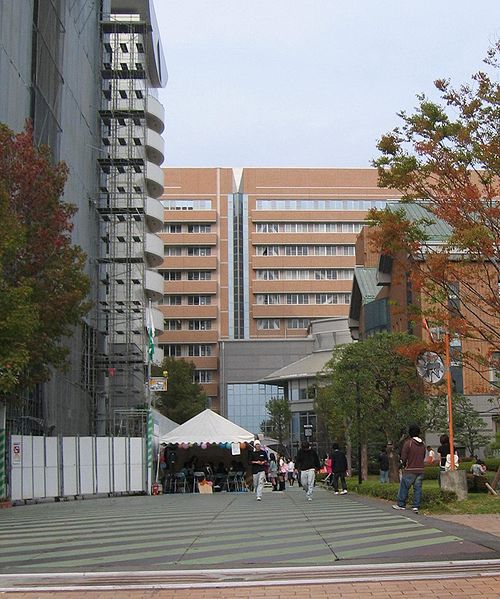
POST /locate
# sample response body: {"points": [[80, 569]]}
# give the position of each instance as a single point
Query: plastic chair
{"points": [[231, 483], [181, 484], [240, 482]]}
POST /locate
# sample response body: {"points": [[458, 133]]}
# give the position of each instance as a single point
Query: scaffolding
{"points": [[122, 221]]}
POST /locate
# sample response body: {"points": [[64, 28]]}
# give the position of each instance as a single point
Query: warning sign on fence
{"points": [[16, 453]]}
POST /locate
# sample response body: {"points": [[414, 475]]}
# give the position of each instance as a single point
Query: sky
{"points": [[311, 83]]}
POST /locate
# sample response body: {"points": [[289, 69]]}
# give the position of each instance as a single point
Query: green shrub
{"points": [[492, 463], [477, 484], [430, 496]]}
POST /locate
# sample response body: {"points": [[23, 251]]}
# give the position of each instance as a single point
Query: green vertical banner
{"points": [[149, 451], [3, 459]]}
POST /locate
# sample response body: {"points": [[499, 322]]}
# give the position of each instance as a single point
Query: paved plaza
{"points": [[226, 530]]}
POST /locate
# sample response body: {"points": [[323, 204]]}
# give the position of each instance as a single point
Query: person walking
{"points": [[383, 462], [273, 471], [307, 461], [412, 457], [339, 469], [291, 472], [258, 459]]}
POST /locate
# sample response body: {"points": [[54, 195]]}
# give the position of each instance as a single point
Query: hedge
{"points": [[389, 491]]}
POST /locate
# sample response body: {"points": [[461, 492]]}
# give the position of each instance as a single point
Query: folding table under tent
{"points": [[212, 439]]}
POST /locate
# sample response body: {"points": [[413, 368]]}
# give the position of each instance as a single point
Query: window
{"points": [[203, 275], [268, 324], [298, 323], [199, 300], [172, 275], [202, 376], [267, 228], [267, 250], [172, 325], [333, 298], [296, 250], [199, 251], [267, 275], [200, 325], [187, 204], [199, 350], [297, 298], [268, 298], [171, 250], [172, 300], [199, 228], [172, 350], [172, 228]]}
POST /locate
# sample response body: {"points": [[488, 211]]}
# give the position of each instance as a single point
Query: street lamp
{"points": [[358, 419]]}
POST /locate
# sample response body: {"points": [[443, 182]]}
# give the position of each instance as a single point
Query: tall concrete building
{"points": [[252, 256], [85, 73]]}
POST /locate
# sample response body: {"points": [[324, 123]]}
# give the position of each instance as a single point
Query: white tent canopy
{"points": [[208, 427]]}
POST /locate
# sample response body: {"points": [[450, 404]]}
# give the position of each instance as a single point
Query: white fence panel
{"points": [[38, 460], [87, 465], [69, 449], [103, 464], [137, 460], [119, 465], [27, 467], [52, 478]]}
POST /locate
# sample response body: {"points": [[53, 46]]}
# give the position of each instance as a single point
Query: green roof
{"points": [[367, 283], [437, 231]]}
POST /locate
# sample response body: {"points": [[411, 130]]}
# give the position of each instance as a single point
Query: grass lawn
{"points": [[476, 503]]}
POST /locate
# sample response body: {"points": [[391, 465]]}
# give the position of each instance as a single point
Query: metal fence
{"points": [[49, 467]]}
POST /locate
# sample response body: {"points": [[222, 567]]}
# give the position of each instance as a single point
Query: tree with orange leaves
{"points": [[43, 287], [445, 158]]}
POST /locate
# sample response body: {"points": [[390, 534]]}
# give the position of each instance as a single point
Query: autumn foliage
{"points": [[445, 157], [42, 283]]}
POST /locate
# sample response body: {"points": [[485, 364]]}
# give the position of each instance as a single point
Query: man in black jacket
{"points": [[258, 459], [339, 469], [307, 462]]}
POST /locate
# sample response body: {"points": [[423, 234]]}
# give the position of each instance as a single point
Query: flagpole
{"points": [[149, 421]]}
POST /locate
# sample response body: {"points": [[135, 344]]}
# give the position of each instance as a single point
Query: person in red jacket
{"points": [[412, 457]]}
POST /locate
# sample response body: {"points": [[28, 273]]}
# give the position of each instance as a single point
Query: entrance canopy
{"points": [[208, 427]]}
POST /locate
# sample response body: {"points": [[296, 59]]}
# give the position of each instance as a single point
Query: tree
{"points": [[43, 287], [445, 157], [376, 379], [280, 415], [469, 428], [184, 398]]}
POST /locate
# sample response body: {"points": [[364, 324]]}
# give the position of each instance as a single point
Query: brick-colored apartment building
{"points": [[255, 254]]}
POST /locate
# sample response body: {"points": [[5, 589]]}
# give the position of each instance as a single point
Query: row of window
{"points": [[198, 228], [175, 250], [263, 324], [175, 324], [320, 274], [187, 204], [189, 300], [176, 350], [190, 275], [268, 250], [309, 227], [305, 250], [303, 298], [319, 204]]}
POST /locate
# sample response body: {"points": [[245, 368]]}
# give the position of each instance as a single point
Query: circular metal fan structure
{"points": [[430, 367]]}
